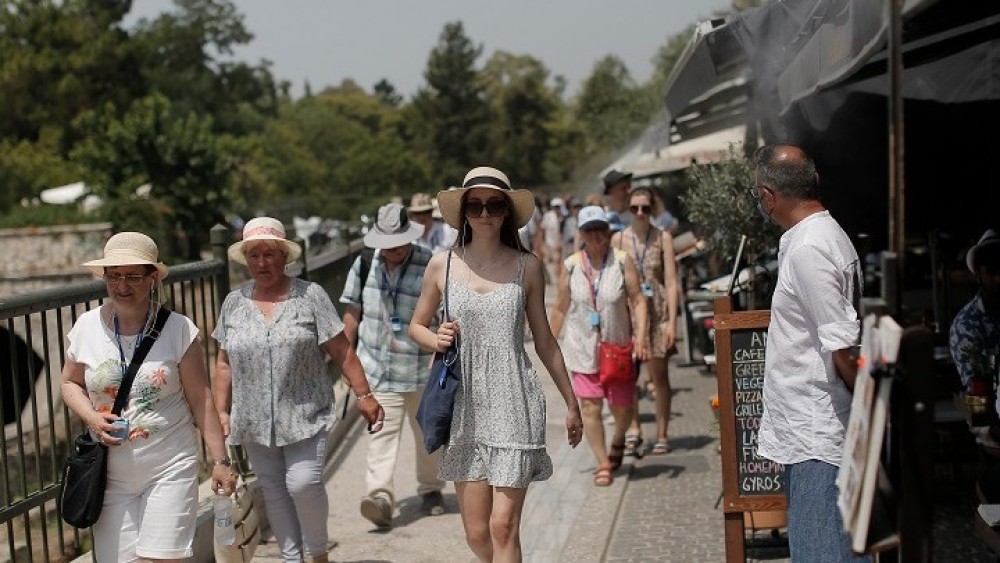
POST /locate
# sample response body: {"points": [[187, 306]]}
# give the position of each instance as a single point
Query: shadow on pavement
{"points": [[409, 509]]}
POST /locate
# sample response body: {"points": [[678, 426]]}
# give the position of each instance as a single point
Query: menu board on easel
{"points": [[749, 483]]}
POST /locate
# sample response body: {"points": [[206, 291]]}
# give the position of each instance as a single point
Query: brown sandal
{"points": [[603, 477], [615, 455]]}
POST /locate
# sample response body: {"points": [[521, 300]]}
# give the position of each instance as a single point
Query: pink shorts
{"points": [[588, 386]]}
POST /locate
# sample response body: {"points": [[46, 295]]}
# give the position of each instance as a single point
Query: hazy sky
{"points": [[325, 41]]}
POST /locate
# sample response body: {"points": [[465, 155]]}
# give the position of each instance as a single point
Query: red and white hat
{"points": [[264, 228]]}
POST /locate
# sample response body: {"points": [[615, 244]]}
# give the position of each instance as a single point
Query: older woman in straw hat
{"points": [[272, 389], [151, 501], [497, 442]]}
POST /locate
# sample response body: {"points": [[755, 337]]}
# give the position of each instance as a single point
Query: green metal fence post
{"points": [[219, 237]]}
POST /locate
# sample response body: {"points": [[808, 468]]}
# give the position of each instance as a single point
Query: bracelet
{"points": [[365, 396], [224, 461]]}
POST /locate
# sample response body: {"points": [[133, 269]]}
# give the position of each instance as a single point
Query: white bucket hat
{"points": [[392, 228], [128, 249], [450, 201], [264, 228]]}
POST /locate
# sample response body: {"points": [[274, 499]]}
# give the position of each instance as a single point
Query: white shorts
{"points": [[151, 501]]}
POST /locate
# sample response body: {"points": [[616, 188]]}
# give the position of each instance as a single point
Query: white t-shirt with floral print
{"points": [[156, 402]]}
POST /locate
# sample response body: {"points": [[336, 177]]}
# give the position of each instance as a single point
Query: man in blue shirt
{"points": [[975, 333]]}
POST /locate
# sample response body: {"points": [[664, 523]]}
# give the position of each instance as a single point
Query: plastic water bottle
{"points": [[225, 531]]}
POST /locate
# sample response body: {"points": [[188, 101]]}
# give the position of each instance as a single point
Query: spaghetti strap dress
{"points": [[498, 425]]}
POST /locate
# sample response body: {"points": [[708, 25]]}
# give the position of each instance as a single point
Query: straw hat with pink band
{"points": [[264, 228]]}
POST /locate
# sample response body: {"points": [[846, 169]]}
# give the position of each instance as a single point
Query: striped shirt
{"points": [[393, 362]]}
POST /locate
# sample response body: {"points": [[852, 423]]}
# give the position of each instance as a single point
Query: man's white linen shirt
{"points": [[806, 404]]}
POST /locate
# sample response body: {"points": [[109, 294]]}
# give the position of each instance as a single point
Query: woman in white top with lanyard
{"points": [[653, 252], [598, 286]]}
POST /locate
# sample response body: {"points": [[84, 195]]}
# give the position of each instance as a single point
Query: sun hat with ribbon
{"points": [[392, 228], [128, 249], [264, 228], [450, 201], [989, 241]]}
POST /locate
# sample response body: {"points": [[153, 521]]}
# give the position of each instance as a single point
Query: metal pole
{"points": [[219, 239], [897, 202]]}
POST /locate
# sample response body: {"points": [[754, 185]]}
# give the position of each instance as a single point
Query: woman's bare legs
{"points": [[492, 520]]}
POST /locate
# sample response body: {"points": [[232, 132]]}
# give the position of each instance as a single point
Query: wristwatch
{"points": [[224, 461]]}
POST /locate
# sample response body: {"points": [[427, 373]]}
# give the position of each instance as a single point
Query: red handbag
{"points": [[615, 363]]}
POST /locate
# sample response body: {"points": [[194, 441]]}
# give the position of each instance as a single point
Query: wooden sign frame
{"points": [[733, 504]]}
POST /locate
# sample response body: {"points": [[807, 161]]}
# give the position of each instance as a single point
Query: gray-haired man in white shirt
{"points": [[811, 358]]}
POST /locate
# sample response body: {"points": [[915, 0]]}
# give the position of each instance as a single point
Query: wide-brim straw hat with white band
{"points": [[128, 249], [450, 201], [264, 228]]}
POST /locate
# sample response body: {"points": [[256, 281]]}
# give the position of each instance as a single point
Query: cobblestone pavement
{"points": [[670, 509]]}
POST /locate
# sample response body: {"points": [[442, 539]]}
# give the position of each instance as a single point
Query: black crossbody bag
{"points": [[86, 472]]}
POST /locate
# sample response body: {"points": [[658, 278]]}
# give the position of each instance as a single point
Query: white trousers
{"points": [[291, 478], [383, 447]]}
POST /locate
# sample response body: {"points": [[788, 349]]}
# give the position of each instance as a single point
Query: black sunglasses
{"points": [[494, 207], [646, 209]]}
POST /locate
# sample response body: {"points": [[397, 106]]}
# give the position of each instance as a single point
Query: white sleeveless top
{"points": [[580, 340]]}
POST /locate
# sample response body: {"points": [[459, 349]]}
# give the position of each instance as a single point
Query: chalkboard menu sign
{"points": [[749, 483], [754, 474]]}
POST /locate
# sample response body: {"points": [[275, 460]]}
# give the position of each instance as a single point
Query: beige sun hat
{"points": [[420, 203], [128, 249], [264, 228], [450, 201]]}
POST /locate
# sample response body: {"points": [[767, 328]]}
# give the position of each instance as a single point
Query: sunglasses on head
{"points": [[494, 207], [646, 209]]}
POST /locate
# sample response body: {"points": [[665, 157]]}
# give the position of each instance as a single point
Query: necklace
{"points": [[485, 266]]}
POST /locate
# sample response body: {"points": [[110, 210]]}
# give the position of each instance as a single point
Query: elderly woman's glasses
{"points": [[131, 280], [494, 207]]}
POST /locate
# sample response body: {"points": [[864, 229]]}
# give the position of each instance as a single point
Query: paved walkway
{"points": [[660, 508]]}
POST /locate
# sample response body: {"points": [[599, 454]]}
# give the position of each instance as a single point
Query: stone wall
{"points": [[35, 258]]}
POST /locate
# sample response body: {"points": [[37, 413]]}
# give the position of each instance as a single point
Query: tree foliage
{"points": [[452, 109], [611, 107], [718, 201], [175, 153], [164, 103]]}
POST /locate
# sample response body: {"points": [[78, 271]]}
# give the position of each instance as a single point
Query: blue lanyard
{"points": [[138, 340], [393, 292], [635, 249]]}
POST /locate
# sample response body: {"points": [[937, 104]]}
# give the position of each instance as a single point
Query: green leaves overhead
{"points": [[164, 103]]}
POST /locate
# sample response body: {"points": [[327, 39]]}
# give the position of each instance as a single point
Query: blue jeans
{"points": [[815, 528]]}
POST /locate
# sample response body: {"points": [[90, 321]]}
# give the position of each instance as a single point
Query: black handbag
{"points": [[438, 401], [86, 472]]}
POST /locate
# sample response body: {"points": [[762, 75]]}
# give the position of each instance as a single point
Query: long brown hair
{"points": [[508, 231]]}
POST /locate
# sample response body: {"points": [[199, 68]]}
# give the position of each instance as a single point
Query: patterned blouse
{"points": [[975, 341], [282, 391]]}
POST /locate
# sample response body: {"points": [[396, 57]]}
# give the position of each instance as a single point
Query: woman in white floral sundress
{"points": [[497, 442], [151, 500]]}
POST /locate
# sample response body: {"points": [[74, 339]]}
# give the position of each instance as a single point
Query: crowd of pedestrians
{"points": [[489, 250]]}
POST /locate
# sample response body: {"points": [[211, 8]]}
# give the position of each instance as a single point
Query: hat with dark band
{"points": [[450, 201]]}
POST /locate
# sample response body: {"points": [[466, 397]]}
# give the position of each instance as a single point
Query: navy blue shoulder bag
{"points": [[438, 401]]}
